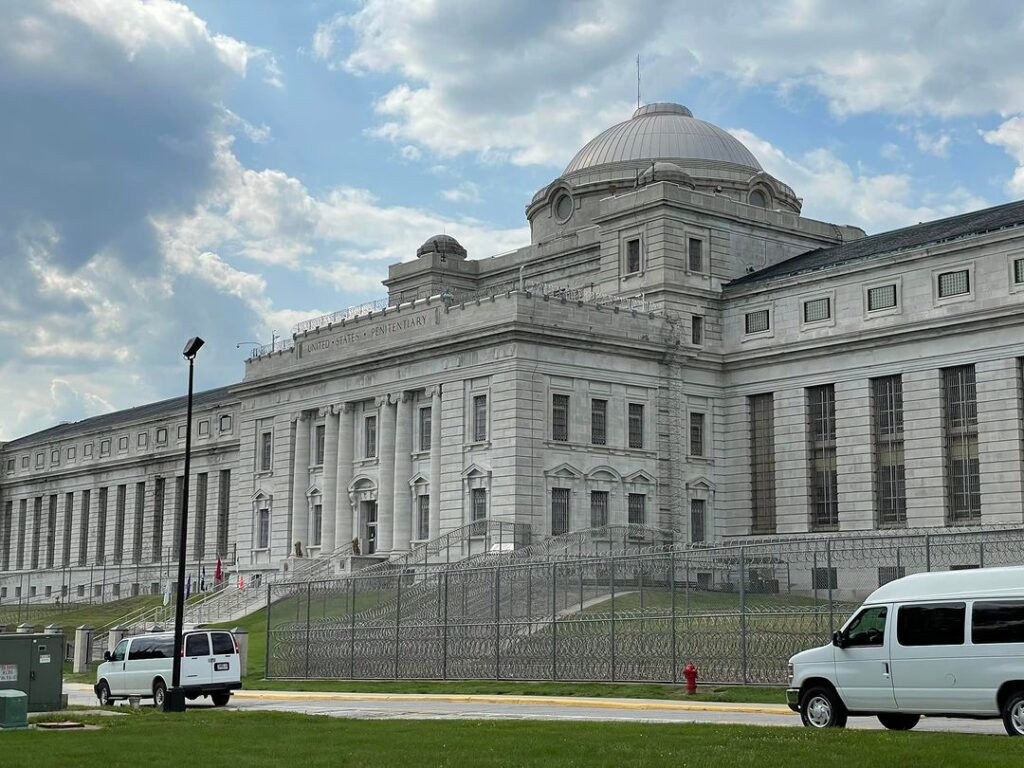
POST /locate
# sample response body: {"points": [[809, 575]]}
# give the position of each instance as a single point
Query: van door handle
{"points": [[886, 665]]}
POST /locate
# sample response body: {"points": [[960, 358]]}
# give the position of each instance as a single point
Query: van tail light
{"points": [[233, 640], [182, 651]]}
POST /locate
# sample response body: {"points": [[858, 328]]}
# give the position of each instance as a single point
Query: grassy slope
{"points": [[271, 739]]}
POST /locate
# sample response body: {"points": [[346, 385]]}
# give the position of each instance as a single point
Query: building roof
{"points": [[949, 585], [887, 243], [663, 132], [175, 405]]}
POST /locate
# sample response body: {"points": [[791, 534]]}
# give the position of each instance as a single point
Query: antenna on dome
{"points": [[638, 81]]}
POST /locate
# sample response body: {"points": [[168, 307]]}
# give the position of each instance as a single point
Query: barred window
{"points": [[119, 505], [695, 249], [633, 255], [637, 509], [69, 513], [425, 427], [636, 425], [316, 522], [756, 322], [83, 531], [1018, 271], [423, 517], [599, 422], [51, 533], [37, 524], [887, 573], [697, 520], [696, 434], [762, 463], [223, 511], [370, 437], [697, 329], [157, 542], [816, 310], [881, 297], [559, 511], [960, 432], [263, 525], [598, 509], [479, 504], [560, 418], [202, 496], [320, 435], [890, 474], [824, 578], [821, 403], [479, 418], [5, 536], [954, 283]]}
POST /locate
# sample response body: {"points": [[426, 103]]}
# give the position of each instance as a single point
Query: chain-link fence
{"points": [[737, 612]]}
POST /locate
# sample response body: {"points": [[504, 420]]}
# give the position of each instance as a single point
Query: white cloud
{"points": [[410, 152], [1010, 136], [933, 144], [465, 192]]}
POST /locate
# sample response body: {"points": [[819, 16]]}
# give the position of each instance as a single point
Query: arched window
{"points": [[758, 198]]}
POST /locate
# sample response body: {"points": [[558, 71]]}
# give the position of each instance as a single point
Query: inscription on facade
{"points": [[384, 329]]}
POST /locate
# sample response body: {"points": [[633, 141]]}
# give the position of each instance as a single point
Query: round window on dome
{"points": [[758, 198], [563, 207]]}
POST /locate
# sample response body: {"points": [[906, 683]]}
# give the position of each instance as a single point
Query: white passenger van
{"points": [[937, 644], [142, 666]]}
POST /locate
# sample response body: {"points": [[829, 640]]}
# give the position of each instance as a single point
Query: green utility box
{"points": [[34, 664], [13, 710]]}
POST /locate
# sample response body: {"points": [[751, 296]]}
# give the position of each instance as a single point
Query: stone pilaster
{"points": [[343, 530], [923, 454], [854, 460], [1000, 458], [435, 462], [330, 489], [386, 473], [402, 530], [300, 481]]}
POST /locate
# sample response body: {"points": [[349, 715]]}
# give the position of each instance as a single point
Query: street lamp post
{"points": [[174, 700]]}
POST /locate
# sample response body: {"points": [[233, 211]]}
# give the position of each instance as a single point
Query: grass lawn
{"points": [[258, 739], [71, 615]]}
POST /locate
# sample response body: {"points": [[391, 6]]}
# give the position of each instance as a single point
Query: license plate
{"points": [[222, 666]]}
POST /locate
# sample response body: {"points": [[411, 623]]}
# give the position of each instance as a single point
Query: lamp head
{"points": [[192, 347]]}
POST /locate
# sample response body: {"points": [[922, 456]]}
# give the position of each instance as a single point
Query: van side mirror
{"points": [[838, 639], [106, 656]]}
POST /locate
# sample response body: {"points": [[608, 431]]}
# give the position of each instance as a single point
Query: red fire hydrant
{"points": [[690, 673]]}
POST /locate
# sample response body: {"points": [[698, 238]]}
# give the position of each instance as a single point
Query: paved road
{"points": [[455, 707]]}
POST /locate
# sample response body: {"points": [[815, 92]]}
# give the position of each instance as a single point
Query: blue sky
{"points": [[229, 167]]}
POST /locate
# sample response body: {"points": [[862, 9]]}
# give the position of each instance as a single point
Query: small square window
{"points": [[161, 435], [1018, 271], [87, 451], [225, 423], [817, 310], [697, 329], [72, 452], [633, 255], [24, 462], [10, 465], [105, 447], [55, 456], [756, 322], [881, 297], [39, 461], [955, 283], [204, 428], [695, 249], [181, 431], [142, 440], [122, 444]]}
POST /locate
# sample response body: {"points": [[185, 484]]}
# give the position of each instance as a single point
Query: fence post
{"points": [[672, 588], [611, 578], [266, 652], [444, 626], [398, 621], [814, 586], [497, 622], [981, 554], [743, 610], [928, 552], [554, 624], [828, 579], [352, 631], [309, 597]]}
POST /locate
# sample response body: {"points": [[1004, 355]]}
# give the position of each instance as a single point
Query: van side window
{"points": [[139, 650], [934, 624], [197, 645], [163, 648], [997, 622], [222, 643], [868, 628], [118, 654]]}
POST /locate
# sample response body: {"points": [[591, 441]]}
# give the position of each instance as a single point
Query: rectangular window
{"points": [[316, 523], [71, 453], [598, 509], [37, 524], [181, 431], [599, 422], [478, 502], [890, 475], [263, 526], [560, 418], [39, 460], [22, 522], [817, 310], [698, 522], [51, 532], [696, 434], [695, 250], [5, 536], [479, 418], [697, 329], [55, 456], [934, 624], [199, 538], [633, 255], [204, 428], [1018, 271], [637, 508], [370, 437], [143, 439], [122, 444], [223, 511], [225, 423], [319, 437], [997, 622], [161, 436], [266, 451], [423, 517], [69, 515], [824, 578], [119, 506], [881, 297], [762, 463], [83, 529], [821, 405], [559, 511], [159, 492], [636, 425], [887, 573], [179, 487], [101, 527], [955, 283], [756, 322], [425, 426], [139, 516], [960, 433]]}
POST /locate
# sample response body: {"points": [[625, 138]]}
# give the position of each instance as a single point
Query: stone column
{"points": [[999, 441], [923, 453], [330, 489], [343, 532], [435, 462], [300, 481], [385, 473], [403, 473]]}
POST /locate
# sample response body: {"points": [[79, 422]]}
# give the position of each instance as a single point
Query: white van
{"points": [[142, 666], [938, 644]]}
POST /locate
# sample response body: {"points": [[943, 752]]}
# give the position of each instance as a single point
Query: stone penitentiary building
{"points": [[677, 347]]}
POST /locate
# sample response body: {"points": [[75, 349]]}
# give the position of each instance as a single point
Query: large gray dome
{"points": [[663, 132]]}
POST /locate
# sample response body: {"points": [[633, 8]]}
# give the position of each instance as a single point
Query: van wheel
{"points": [[1013, 714], [822, 708], [104, 695], [220, 699], [159, 694], [897, 721]]}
